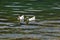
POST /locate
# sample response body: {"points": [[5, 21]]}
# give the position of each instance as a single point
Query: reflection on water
{"points": [[47, 18]]}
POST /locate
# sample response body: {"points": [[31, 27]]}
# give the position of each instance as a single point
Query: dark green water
{"points": [[47, 13]]}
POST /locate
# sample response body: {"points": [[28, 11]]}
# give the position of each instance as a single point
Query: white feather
{"points": [[21, 17], [32, 19]]}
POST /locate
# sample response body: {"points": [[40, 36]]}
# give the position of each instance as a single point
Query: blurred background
{"points": [[43, 10]]}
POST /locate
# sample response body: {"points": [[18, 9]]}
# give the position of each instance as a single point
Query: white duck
{"points": [[21, 18], [32, 19]]}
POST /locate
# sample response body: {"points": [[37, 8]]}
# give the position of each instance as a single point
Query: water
{"points": [[47, 16]]}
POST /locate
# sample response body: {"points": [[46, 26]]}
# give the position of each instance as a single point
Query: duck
{"points": [[32, 19], [28, 20], [21, 17]]}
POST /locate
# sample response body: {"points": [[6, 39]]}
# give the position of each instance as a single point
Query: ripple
{"points": [[3, 19], [28, 4], [32, 0], [15, 9], [33, 10], [16, 14], [3, 26], [55, 34], [2, 12], [55, 7], [49, 30], [24, 36], [51, 13], [26, 31], [20, 36], [15, 2], [22, 11], [14, 6], [25, 27], [6, 23]]}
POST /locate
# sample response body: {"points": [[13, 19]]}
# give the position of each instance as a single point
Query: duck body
{"points": [[21, 18], [32, 19]]}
